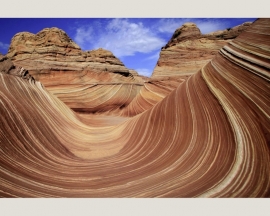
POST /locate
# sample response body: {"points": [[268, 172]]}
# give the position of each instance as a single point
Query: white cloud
{"points": [[83, 35], [125, 38], [211, 26], [4, 46], [205, 25], [155, 56], [144, 71], [170, 25]]}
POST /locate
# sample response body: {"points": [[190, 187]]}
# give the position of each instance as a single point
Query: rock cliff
{"points": [[75, 76], [188, 49], [51, 50]]}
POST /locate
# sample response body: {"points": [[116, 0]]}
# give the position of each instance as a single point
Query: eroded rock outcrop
{"points": [[7, 67], [51, 50], [90, 81], [188, 50]]}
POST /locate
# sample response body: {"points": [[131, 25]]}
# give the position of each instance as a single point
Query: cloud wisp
{"points": [[210, 25], [133, 37], [121, 36], [169, 25], [83, 35], [144, 71], [152, 57], [4, 46], [205, 25], [140, 38], [125, 37]]}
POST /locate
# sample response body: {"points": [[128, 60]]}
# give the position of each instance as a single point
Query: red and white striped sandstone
{"points": [[208, 138], [188, 50]]}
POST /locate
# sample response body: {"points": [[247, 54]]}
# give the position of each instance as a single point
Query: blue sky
{"points": [[135, 41]]}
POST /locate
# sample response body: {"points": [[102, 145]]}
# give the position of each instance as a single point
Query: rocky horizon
{"points": [[53, 58]]}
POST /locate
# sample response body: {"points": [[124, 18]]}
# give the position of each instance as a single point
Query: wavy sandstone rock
{"points": [[152, 92], [188, 50], [51, 50], [92, 81], [208, 138], [103, 86]]}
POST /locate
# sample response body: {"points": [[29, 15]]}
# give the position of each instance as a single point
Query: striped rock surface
{"points": [[87, 81], [92, 82], [52, 50], [188, 50], [153, 91], [208, 138]]}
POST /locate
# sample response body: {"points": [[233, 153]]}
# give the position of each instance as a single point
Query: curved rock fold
{"points": [[207, 135]]}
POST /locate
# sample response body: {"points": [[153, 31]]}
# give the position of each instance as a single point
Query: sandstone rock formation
{"points": [[6, 66], [96, 81], [188, 50], [92, 81], [152, 92], [51, 50], [88, 82], [208, 138]]}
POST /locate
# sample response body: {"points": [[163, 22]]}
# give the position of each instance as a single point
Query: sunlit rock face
{"points": [[51, 50], [188, 50], [209, 137], [152, 92], [89, 82]]}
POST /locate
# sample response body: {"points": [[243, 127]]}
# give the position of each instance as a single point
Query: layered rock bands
{"points": [[188, 50], [208, 138]]}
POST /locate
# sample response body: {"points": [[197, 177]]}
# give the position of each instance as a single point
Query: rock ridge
{"points": [[52, 49], [190, 31], [188, 50]]}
